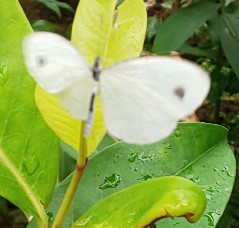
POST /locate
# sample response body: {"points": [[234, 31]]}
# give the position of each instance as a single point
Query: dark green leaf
{"points": [[181, 25], [230, 47], [219, 82], [44, 25]]}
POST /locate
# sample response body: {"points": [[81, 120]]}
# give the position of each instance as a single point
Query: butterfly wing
{"points": [[59, 68], [144, 98]]}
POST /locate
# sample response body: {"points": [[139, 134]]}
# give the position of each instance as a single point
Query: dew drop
{"points": [[177, 133], [219, 173], [145, 176], [227, 171], [31, 164], [147, 157], [213, 189], [132, 157], [96, 174], [209, 197], [110, 182], [192, 178], [135, 169], [210, 219], [211, 216], [50, 216], [167, 145], [3, 73], [117, 157]]}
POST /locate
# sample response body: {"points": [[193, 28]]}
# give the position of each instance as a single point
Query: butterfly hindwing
{"points": [[144, 98]]}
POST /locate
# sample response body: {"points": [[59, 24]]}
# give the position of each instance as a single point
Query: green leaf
{"points": [[230, 45], [55, 6], [107, 32], [197, 151], [187, 49], [233, 84], [181, 25], [219, 81], [44, 25], [28, 149], [142, 204]]}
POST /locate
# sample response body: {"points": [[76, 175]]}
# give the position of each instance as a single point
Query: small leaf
{"points": [[181, 25], [142, 204], [55, 6], [44, 25]]}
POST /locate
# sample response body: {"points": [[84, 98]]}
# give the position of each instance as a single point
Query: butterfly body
{"points": [[142, 98]]}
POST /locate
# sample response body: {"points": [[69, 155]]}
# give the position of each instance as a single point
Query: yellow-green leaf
{"points": [[98, 30]]}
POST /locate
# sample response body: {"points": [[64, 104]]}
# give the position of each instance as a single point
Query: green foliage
{"points": [[196, 151], [56, 6], [44, 25], [181, 25], [29, 151]]}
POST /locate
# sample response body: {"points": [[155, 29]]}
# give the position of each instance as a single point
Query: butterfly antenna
{"points": [[96, 75]]}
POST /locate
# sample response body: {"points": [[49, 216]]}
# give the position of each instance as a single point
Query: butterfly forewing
{"points": [[53, 62], [59, 68]]}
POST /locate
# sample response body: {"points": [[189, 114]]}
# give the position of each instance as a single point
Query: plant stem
{"points": [[42, 224], [77, 174]]}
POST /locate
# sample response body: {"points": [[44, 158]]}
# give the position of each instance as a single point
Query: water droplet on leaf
{"points": [[3, 73], [111, 182], [132, 157], [211, 216], [167, 145], [177, 133], [50, 216], [227, 171], [146, 157]]}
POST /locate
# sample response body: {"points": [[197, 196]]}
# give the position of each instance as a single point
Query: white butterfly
{"points": [[142, 98]]}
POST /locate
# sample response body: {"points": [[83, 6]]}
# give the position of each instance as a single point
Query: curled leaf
{"points": [[145, 203]]}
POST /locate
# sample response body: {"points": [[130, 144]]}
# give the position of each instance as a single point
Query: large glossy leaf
{"points": [[196, 151], [28, 148], [98, 30], [142, 204], [181, 25]]}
